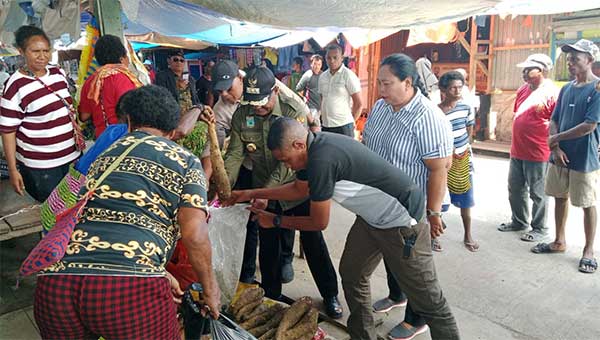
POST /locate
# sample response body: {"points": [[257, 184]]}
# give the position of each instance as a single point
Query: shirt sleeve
{"points": [[234, 157], [593, 113], [434, 136], [85, 104], [193, 194], [352, 83], [11, 113], [321, 178], [302, 83]]}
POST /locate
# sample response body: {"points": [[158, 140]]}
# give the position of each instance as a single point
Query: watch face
{"points": [[277, 221]]}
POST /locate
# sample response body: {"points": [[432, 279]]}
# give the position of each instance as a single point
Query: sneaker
{"points": [[404, 331], [287, 273], [385, 305]]}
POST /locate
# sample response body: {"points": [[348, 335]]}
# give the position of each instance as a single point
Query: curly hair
{"points": [[24, 33], [150, 106], [109, 50], [449, 77]]}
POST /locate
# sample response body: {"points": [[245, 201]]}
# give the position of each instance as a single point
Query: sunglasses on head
{"points": [[178, 60]]}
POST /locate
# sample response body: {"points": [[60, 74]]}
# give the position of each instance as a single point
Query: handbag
{"points": [[77, 133], [53, 246]]}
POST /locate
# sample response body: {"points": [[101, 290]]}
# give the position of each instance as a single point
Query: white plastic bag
{"points": [[227, 232]]}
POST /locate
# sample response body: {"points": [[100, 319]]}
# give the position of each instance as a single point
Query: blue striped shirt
{"points": [[461, 116], [405, 138]]}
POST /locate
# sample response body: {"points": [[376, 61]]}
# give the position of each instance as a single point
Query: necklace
{"points": [[25, 69]]}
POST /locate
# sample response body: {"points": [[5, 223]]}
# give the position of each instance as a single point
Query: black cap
{"points": [[223, 75], [258, 85], [176, 53]]}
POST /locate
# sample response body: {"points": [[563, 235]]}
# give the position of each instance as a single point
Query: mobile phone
{"points": [[186, 76]]}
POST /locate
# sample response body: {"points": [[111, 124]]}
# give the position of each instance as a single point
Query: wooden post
{"points": [[108, 14], [491, 54], [472, 55]]}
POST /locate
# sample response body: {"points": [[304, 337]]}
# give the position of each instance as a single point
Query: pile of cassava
{"points": [[275, 321]]}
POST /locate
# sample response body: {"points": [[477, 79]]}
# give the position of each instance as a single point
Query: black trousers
{"points": [[39, 183], [347, 129], [397, 294], [315, 249]]}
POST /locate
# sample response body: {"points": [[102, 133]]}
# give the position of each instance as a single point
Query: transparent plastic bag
{"points": [[227, 232]]}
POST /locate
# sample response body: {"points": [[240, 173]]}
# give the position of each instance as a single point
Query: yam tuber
{"points": [[292, 316], [261, 330], [270, 334], [247, 309], [263, 318], [247, 296], [305, 328], [256, 311], [218, 166]]}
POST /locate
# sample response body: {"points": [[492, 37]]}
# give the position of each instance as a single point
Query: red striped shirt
{"points": [[40, 119]]}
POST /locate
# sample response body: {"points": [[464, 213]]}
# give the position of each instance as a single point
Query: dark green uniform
{"points": [[249, 134]]}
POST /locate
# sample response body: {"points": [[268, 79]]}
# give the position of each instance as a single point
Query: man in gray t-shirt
{"points": [[334, 167]]}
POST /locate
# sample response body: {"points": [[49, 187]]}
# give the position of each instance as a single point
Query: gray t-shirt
{"points": [[346, 171], [309, 83]]}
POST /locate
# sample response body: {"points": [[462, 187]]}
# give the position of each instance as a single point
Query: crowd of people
{"points": [[289, 150]]}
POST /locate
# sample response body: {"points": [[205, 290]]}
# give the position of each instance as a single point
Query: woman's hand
{"points": [[207, 115], [16, 180], [175, 288]]}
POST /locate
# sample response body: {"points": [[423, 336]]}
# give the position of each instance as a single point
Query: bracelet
{"points": [[434, 213]]}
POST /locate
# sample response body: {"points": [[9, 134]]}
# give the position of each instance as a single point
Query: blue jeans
{"points": [[528, 178]]}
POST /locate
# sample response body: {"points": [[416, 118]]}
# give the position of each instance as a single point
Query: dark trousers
{"points": [[397, 294], [39, 183], [347, 129], [317, 256], [286, 239], [364, 249]]}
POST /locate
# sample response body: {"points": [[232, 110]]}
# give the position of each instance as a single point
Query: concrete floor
{"points": [[502, 292]]}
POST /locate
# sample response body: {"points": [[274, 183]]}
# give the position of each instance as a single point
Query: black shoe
{"points": [[287, 273], [333, 308]]}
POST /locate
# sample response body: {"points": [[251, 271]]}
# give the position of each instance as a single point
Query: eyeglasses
{"points": [[178, 60]]}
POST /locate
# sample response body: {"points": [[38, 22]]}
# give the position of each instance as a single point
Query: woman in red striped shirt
{"points": [[36, 119]]}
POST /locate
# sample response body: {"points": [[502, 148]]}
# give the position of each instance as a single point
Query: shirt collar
{"points": [[418, 98]]}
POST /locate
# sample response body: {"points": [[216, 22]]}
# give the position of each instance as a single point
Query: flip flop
{"points": [[585, 262], [472, 246], [510, 227], [544, 248], [436, 245], [533, 236]]}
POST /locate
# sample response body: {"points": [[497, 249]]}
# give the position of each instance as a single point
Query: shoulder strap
{"points": [[115, 164]]}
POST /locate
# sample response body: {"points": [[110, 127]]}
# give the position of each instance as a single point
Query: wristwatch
{"points": [[277, 221], [433, 213]]}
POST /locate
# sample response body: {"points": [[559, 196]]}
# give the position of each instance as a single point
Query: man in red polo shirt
{"points": [[529, 152]]}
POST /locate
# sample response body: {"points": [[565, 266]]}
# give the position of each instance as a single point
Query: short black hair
{"points": [[449, 77], [109, 50], [299, 61], [280, 131], [316, 57], [150, 106], [23, 34], [333, 46]]}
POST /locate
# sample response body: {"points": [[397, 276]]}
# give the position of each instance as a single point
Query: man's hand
{"points": [[316, 128], [259, 203], [16, 180], [560, 157], [553, 141], [207, 115], [237, 196], [175, 288], [436, 226], [264, 218]]}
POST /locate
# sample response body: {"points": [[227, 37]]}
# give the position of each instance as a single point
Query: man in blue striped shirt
{"points": [[409, 131]]}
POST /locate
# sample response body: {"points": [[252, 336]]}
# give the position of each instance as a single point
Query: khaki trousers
{"points": [[365, 247]]}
